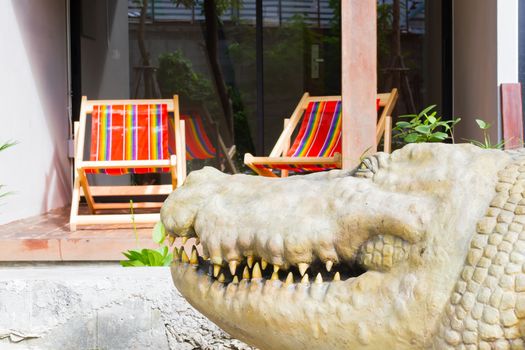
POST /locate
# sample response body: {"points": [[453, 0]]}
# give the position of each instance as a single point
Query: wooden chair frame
{"points": [[384, 128], [82, 188]]}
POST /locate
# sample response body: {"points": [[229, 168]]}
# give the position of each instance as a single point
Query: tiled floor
{"points": [[47, 238]]}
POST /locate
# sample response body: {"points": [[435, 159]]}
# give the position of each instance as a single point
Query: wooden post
{"points": [[359, 78]]}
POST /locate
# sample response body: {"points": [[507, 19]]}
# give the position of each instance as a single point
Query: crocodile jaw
{"points": [[365, 311]]}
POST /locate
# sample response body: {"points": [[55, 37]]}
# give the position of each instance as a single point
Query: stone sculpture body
{"points": [[420, 249]]}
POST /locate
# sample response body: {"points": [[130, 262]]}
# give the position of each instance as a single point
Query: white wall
{"points": [[485, 55], [33, 107]]}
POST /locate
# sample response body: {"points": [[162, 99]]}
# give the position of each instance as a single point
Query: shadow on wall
{"points": [[43, 30]]}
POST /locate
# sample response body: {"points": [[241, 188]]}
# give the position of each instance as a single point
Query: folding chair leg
{"points": [[248, 161], [286, 146], [387, 139], [87, 193], [75, 201]]}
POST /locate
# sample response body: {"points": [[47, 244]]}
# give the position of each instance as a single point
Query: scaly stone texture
{"points": [[487, 306], [100, 306], [437, 229]]}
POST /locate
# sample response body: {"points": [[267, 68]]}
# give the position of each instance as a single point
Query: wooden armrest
{"points": [[248, 158], [126, 164]]}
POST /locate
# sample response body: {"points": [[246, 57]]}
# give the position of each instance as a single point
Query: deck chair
{"points": [[202, 134], [127, 136], [317, 146]]}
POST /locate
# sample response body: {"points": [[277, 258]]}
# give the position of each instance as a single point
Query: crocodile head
{"points": [[338, 260]]}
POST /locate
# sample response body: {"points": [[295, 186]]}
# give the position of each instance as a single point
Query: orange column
{"points": [[359, 78]]}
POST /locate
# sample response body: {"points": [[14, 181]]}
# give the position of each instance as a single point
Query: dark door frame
{"points": [[447, 86], [75, 15]]}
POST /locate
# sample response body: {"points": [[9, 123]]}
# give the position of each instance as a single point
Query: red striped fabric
{"points": [[198, 144], [320, 131], [319, 136], [299, 168], [129, 132]]}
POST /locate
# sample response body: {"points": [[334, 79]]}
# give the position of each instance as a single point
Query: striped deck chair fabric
{"points": [[198, 144], [318, 136], [316, 123], [129, 132]]}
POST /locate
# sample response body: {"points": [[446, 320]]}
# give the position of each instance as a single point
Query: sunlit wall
{"points": [[33, 107]]}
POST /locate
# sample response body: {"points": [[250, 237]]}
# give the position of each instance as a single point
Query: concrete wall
{"points": [[33, 100], [485, 55], [100, 306]]}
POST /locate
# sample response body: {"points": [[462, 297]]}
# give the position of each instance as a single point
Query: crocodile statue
{"points": [[420, 249]]}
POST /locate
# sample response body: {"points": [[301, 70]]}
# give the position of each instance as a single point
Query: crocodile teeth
{"points": [[184, 256], [276, 268], [305, 279], [329, 265], [216, 270], [233, 266], [318, 278], [302, 268], [337, 276], [264, 263], [289, 278], [256, 272], [184, 240], [194, 259], [246, 273], [275, 276], [176, 254], [171, 240], [221, 278], [249, 261], [235, 280]]}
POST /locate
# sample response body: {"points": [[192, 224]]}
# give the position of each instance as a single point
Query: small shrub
{"points": [[3, 147], [487, 144], [425, 127], [148, 257]]}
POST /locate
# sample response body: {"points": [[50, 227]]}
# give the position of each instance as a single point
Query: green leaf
{"points": [[7, 144], [159, 233], [431, 119], [411, 138], [136, 263], [483, 125], [403, 125], [426, 110], [440, 135], [168, 259], [475, 143], [439, 138], [133, 255], [423, 129]]}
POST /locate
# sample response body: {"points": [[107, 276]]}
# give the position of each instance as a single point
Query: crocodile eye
{"points": [[381, 252], [371, 165]]}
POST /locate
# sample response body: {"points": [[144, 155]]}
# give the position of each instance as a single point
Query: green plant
{"points": [[176, 75], [5, 146], [148, 257], [485, 127], [425, 127]]}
